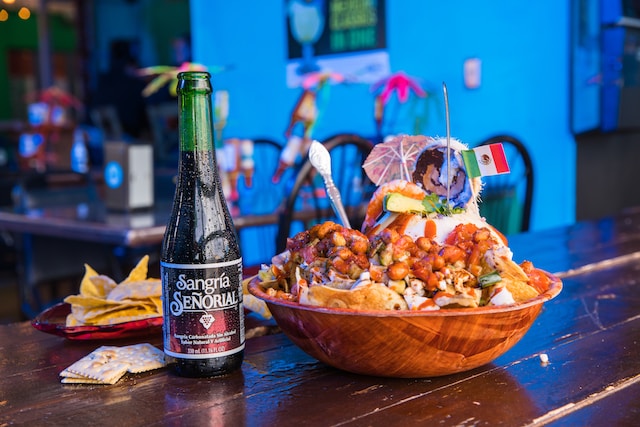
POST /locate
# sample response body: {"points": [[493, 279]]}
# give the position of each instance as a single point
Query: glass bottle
{"points": [[201, 265]]}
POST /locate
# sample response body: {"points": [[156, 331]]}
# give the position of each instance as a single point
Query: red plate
{"points": [[53, 321]]}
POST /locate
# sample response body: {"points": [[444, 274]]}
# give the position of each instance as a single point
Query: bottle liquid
{"points": [[201, 265]]}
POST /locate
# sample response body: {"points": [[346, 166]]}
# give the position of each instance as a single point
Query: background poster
{"points": [[342, 36]]}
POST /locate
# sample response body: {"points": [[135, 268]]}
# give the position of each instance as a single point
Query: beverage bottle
{"points": [[200, 263], [79, 153]]}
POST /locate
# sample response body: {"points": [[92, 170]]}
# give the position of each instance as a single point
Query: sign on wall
{"points": [[342, 36]]}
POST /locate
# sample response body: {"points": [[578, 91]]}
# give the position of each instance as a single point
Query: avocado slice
{"points": [[396, 202]]}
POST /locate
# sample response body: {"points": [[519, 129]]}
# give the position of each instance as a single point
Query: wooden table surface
{"points": [[590, 332]]}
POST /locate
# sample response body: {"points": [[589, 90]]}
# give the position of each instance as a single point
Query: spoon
{"points": [[321, 160]]}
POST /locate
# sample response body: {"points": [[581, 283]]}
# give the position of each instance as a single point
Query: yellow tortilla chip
{"points": [[103, 285], [142, 289], [157, 301], [521, 291], [72, 321], [114, 314], [86, 285], [140, 271], [85, 301], [252, 303], [372, 296], [122, 319], [102, 301]]}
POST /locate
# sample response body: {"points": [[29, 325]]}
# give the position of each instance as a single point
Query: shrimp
{"points": [[376, 204]]}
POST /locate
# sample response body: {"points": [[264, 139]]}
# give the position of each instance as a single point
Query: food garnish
{"points": [[332, 266], [431, 203]]}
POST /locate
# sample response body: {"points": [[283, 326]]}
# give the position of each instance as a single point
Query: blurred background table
{"points": [[590, 333], [54, 239]]}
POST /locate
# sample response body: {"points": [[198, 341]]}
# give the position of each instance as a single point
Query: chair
{"points": [[261, 197], [348, 152], [506, 200], [49, 268]]}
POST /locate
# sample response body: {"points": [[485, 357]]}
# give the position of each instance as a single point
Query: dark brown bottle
{"points": [[201, 265]]}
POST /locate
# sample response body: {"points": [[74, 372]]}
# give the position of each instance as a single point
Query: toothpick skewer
{"points": [[446, 112]]}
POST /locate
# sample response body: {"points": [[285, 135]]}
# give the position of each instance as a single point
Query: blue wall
{"points": [[524, 48]]}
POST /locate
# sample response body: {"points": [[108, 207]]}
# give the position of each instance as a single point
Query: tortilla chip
{"points": [[114, 320], [72, 320], [86, 285], [521, 291], [142, 289], [103, 285], [102, 301], [116, 313], [252, 303], [372, 296], [85, 301], [157, 301], [140, 271]]}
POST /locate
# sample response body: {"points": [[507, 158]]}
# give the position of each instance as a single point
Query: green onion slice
{"points": [[489, 279]]}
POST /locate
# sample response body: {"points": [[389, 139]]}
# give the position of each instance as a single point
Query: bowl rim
{"points": [[552, 291]]}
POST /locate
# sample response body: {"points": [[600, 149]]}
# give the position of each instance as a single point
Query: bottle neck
{"points": [[195, 119]]}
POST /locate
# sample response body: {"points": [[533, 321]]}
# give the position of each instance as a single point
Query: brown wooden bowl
{"points": [[405, 344]]}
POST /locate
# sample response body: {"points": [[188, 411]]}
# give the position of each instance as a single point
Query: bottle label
{"points": [[203, 312]]}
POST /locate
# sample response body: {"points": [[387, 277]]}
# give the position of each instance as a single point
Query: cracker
{"points": [[142, 357], [107, 364], [79, 380], [101, 365]]}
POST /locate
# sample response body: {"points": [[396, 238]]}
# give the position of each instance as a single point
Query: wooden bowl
{"points": [[405, 344]]}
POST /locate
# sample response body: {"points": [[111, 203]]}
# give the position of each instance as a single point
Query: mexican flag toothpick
{"points": [[485, 160]]}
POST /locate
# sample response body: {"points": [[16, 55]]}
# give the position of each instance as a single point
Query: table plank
{"points": [[613, 407], [565, 248]]}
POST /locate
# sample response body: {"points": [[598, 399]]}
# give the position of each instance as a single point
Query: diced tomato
{"points": [[430, 229]]}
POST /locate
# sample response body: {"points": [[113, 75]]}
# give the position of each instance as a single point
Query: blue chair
{"points": [[307, 195], [261, 197], [506, 200]]}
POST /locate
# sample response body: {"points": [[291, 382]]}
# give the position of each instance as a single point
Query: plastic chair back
{"points": [[257, 197], [506, 200], [307, 199]]}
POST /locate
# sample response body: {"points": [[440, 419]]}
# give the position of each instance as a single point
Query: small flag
{"points": [[485, 160]]}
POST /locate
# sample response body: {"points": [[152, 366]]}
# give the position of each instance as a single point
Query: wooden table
{"points": [[590, 332], [115, 239]]}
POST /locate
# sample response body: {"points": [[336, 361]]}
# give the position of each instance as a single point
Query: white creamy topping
{"points": [[415, 226]]}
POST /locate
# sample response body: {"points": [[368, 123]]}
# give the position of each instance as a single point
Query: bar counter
{"points": [[590, 332]]}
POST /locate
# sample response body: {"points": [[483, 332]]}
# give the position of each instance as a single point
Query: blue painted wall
{"points": [[524, 48]]}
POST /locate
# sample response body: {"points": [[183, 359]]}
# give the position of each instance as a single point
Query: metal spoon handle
{"points": [[321, 161], [336, 200]]}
